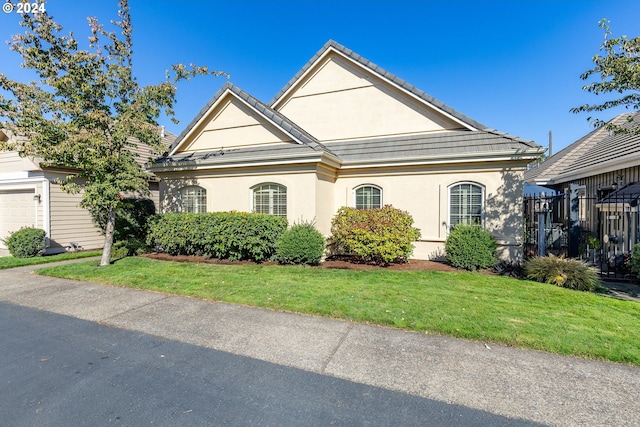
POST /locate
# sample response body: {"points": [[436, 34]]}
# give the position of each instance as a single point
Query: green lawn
{"points": [[465, 305], [11, 262]]}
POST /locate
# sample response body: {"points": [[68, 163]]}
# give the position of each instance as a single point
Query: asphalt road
{"points": [[57, 370]]}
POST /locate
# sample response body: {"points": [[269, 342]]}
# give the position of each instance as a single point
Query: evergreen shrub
{"points": [[27, 242], [470, 247], [634, 262], [225, 235], [564, 272], [381, 236], [132, 217], [301, 244]]}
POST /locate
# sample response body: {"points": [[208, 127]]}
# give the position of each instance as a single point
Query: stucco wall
{"points": [[425, 195], [313, 195], [228, 191], [338, 101]]}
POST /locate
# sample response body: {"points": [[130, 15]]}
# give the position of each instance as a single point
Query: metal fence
{"points": [[600, 230]]}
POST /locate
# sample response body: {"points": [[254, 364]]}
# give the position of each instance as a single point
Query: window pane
{"points": [[270, 199], [193, 200], [368, 197], [465, 204]]}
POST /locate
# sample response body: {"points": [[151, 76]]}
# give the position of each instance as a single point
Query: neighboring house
{"points": [[598, 178], [30, 197], [345, 132]]}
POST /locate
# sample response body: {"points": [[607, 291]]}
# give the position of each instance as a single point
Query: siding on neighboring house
{"points": [[11, 162], [57, 212], [70, 222]]}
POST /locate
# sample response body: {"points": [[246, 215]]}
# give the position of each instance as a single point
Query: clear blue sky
{"points": [[511, 65]]}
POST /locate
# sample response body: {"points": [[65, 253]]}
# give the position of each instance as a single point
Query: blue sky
{"points": [[511, 65]]}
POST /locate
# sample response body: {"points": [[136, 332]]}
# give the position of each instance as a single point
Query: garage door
{"points": [[17, 210]]}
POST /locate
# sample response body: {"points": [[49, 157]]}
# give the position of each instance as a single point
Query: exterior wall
{"points": [[339, 101], [11, 162], [70, 222], [28, 213], [232, 190], [425, 195], [317, 195]]}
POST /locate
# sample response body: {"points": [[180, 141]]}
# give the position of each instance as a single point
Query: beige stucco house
{"points": [[31, 197], [345, 132]]}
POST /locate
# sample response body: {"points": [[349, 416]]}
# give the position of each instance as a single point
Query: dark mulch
{"points": [[344, 263]]}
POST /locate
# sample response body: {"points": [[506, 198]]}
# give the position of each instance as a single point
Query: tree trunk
{"points": [[108, 238]]}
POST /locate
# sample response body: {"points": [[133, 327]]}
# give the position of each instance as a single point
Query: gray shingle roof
{"points": [[281, 121], [597, 147], [446, 144], [278, 152], [382, 73], [438, 144]]}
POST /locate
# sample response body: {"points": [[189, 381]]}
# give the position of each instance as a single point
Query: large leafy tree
{"points": [[87, 112], [617, 71]]}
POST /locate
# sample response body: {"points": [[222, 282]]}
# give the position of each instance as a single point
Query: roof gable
{"points": [[340, 95], [234, 119]]}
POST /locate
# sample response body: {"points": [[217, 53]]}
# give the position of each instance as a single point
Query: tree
{"points": [[85, 108], [618, 69]]}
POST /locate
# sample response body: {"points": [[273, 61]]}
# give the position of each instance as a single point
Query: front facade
{"points": [[598, 179], [30, 196], [344, 132]]}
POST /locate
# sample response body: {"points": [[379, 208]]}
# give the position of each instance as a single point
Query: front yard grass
{"points": [[11, 262], [466, 305]]}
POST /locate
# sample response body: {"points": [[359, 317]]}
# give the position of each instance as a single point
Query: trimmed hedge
{"points": [[382, 236], [27, 242], [301, 244], [225, 235], [470, 247]]}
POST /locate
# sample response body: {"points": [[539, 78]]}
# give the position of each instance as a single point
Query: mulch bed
{"points": [[343, 263]]}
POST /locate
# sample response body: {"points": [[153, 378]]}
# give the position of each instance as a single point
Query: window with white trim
{"points": [[368, 197], [270, 199], [193, 199], [466, 204]]}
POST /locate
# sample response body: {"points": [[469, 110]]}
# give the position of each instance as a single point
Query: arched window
{"points": [[270, 199], [193, 199], [368, 197], [466, 204]]}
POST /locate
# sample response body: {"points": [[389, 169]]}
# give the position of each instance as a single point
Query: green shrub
{"points": [[382, 236], [634, 262], [27, 242], [564, 272], [301, 244], [226, 235], [132, 216], [470, 247]]}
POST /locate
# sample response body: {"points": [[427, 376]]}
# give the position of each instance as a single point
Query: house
{"points": [[598, 180], [345, 132], [31, 197]]}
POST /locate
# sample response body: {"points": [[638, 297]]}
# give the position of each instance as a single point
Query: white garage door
{"points": [[17, 210]]}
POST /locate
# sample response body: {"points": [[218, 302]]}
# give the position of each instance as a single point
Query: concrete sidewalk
{"points": [[523, 384]]}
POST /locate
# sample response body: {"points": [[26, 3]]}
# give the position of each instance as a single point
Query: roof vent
{"points": [[162, 132]]}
